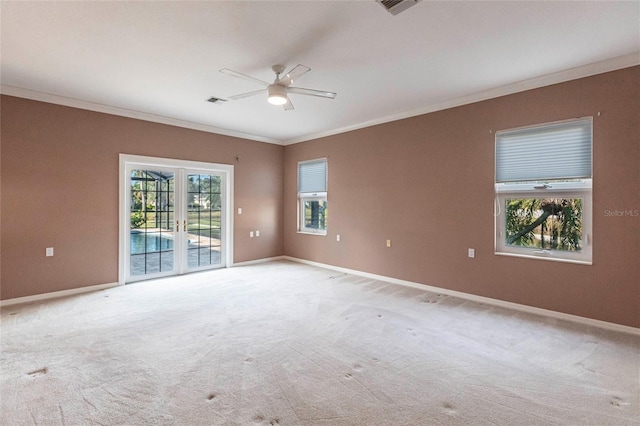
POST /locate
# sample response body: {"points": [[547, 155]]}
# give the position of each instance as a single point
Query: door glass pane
{"points": [[203, 220], [152, 222]]}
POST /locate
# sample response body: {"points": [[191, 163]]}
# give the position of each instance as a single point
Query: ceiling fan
{"points": [[281, 87]]}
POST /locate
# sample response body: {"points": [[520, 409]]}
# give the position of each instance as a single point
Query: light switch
{"points": [[472, 253], [239, 210], [388, 243], [49, 251]]}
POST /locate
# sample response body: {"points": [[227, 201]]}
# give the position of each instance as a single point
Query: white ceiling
{"points": [[160, 60]]}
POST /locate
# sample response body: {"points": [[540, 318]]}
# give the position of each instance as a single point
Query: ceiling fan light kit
{"points": [[277, 94], [278, 91]]}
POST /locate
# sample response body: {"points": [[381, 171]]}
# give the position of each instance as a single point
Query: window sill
{"points": [[322, 234], [545, 257]]}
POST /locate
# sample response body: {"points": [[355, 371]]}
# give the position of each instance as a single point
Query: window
{"points": [[312, 196], [543, 191]]}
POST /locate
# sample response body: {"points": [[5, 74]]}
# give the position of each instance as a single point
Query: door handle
{"points": [[185, 226], [177, 225]]}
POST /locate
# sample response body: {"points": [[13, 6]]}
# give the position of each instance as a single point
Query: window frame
{"points": [[318, 193], [577, 189], [544, 188], [302, 198]]}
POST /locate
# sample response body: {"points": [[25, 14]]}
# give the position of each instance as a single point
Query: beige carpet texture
{"points": [[283, 343]]}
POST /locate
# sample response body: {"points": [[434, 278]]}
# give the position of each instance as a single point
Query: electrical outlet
{"points": [[388, 243], [472, 252], [250, 234], [239, 210], [257, 233], [49, 251], [338, 237]]}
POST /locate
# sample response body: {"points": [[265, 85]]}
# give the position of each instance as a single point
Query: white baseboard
{"points": [[56, 294], [71, 292], [481, 299], [263, 260], [471, 297]]}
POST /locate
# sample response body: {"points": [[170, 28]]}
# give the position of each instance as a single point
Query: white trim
{"points": [[613, 64], [257, 261], [56, 294], [318, 233], [542, 255], [580, 189], [466, 296], [533, 187], [98, 287], [480, 299], [302, 198], [227, 172], [123, 112]]}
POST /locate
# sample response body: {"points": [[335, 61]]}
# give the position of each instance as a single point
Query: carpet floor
{"points": [[282, 343]]}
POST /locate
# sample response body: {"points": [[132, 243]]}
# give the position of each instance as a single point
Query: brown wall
{"points": [[426, 183], [59, 189]]}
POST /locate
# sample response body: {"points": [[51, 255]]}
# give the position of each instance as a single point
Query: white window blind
{"points": [[312, 176], [552, 151]]}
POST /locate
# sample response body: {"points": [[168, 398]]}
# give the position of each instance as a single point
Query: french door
{"points": [[174, 217]]}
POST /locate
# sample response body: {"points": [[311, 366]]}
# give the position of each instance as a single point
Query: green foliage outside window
{"points": [[137, 220], [315, 214], [549, 223]]}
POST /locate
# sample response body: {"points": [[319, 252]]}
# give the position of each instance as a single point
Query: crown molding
{"points": [[595, 68], [96, 107]]}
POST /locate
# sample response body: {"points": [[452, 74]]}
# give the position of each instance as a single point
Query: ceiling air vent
{"points": [[215, 100], [396, 6]]}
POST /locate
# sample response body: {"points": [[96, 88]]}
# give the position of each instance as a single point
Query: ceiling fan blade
{"points": [[311, 92], [246, 95], [288, 106], [293, 75], [243, 76]]}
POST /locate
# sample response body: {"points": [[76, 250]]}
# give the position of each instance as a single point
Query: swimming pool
{"points": [[149, 242]]}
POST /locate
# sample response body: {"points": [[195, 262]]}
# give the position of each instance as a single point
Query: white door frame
{"points": [[226, 170]]}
